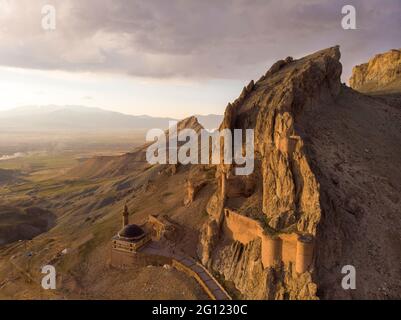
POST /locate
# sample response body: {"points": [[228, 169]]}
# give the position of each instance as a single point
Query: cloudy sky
{"points": [[175, 57]]}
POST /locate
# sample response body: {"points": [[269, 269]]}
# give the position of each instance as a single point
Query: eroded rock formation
{"points": [[381, 73], [307, 126], [192, 188], [288, 190]]}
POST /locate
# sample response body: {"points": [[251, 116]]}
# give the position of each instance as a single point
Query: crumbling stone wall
{"points": [[286, 248]]}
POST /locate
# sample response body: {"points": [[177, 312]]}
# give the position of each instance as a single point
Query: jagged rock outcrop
{"points": [[289, 192], [313, 139], [192, 188], [381, 74], [241, 264], [189, 123]]}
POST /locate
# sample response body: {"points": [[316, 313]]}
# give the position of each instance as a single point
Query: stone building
{"points": [[287, 248], [131, 237], [128, 245], [160, 227]]}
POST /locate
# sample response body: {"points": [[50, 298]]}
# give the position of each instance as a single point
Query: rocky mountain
{"points": [[380, 77], [381, 74], [324, 194], [326, 167]]}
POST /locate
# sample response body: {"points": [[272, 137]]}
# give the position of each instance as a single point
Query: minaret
{"points": [[125, 215]]}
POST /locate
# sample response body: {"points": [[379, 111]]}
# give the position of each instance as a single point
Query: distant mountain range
{"points": [[52, 117]]}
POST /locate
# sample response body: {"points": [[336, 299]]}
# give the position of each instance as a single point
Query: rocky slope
{"points": [[87, 203], [381, 74], [127, 164], [326, 161]]}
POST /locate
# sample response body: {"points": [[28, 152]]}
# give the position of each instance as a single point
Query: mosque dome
{"points": [[131, 232]]}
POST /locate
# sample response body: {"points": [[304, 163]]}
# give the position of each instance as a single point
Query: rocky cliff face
{"points": [[241, 264], [289, 190], [286, 195], [381, 73], [312, 143]]}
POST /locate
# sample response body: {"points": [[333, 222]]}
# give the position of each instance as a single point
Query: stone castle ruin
{"points": [[287, 248]]}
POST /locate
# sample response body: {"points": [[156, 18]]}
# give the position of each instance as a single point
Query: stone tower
{"points": [[125, 216]]}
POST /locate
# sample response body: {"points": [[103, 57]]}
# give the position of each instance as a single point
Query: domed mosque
{"points": [[131, 232], [131, 237]]}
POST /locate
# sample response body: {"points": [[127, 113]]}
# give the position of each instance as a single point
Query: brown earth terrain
{"points": [[327, 161]]}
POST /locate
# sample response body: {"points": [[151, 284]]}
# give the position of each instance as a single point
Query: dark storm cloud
{"points": [[194, 39]]}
